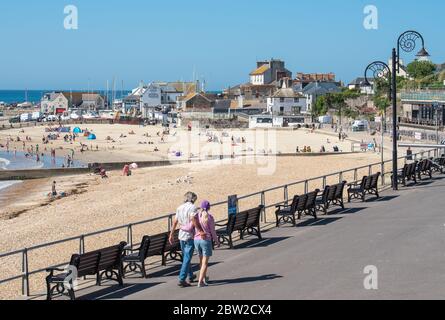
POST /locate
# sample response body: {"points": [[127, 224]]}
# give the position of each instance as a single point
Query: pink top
{"points": [[208, 228]]}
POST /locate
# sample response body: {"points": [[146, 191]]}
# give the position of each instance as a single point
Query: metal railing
{"points": [[25, 273]]}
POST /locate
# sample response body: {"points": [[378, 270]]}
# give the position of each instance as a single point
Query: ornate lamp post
{"points": [[406, 42], [380, 70]]}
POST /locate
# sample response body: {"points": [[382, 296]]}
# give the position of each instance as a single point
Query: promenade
{"points": [[402, 234]]}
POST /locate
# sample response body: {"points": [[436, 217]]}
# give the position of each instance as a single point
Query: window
{"points": [[296, 100], [281, 99]]}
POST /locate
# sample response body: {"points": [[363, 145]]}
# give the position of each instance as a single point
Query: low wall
{"points": [[111, 166], [40, 173]]}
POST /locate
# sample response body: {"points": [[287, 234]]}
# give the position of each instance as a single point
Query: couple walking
{"points": [[197, 231]]}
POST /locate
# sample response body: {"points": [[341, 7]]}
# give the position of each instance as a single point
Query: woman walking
{"points": [[204, 244]]}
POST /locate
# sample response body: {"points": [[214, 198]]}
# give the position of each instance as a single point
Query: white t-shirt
{"points": [[184, 215]]}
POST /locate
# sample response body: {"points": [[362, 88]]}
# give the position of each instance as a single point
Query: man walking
{"points": [[185, 214]]}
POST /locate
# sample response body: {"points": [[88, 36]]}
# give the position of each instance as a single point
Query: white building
{"points": [[270, 121], [286, 102], [151, 98], [54, 103]]}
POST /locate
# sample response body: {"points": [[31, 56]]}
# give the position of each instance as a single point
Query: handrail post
{"points": [[130, 235], [263, 203], [355, 175], [306, 187], [25, 271], [340, 177], [286, 195], [82, 244], [324, 182], [170, 223], [382, 170], [370, 170]]}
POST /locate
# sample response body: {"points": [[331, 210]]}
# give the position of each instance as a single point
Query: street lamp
{"points": [[406, 42], [380, 70]]}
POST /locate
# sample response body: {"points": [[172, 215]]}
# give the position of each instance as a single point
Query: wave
{"points": [[7, 184], [4, 163]]}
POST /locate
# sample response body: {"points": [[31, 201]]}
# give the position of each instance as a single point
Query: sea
{"points": [[19, 161], [34, 96]]}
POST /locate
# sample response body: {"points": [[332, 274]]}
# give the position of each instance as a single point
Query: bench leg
{"points": [[259, 232], [230, 242], [144, 273], [71, 294], [48, 291]]}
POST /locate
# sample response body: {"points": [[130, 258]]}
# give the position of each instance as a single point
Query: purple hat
{"points": [[205, 205]]}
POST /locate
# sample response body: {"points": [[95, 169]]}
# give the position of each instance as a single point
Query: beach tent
{"points": [[64, 129], [92, 136], [77, 130]]}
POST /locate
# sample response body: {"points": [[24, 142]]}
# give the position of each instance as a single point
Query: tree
{"points": [[421, 69]]}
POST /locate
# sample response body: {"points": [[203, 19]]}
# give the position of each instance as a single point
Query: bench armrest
{"points": [[221, 225], [354, 184], [279, 206], [52, 270]]}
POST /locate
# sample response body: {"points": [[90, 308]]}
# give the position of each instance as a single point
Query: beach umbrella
{"points": [[92, 136], [133, 166], [77, 130]]}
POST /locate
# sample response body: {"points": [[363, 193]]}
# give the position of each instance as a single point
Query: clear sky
{"points": [[149, 40]]}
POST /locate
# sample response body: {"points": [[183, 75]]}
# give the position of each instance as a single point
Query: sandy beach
{"points": [[29, 217]]}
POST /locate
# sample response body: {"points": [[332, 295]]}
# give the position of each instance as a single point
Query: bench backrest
{"points": [[339, 191], [311, 199], [86, 264], [143, 248], [239, 222], [293, 207], [406, 169], [253, 217], [157, 244], [412, 169], [302, 202], [111, 257], [328, 193], [176, 243], [374, 180], [364, 182]]}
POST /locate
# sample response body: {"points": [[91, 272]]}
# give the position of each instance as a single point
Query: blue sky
{"points": [[149, 40]]}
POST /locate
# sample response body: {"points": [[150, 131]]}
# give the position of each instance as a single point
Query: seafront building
{"points": [[423, 107], [61, 102], [286, 101]]}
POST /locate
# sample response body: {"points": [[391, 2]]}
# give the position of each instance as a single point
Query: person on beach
{"points": [[185, 214], [204, 245], [53, 190]]}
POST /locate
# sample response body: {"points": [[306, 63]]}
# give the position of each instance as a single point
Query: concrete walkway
{"points": [[403, 235]]}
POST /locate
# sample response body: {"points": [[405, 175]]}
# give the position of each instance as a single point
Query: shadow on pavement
{"points": [[256, 243], [346, 211], [116, 292], [385, 199], [267, 277], [319, 222]]}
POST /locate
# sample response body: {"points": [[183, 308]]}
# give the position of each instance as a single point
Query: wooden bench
{"points": [[439, 164], [304, 204], [425, 168], [246, 221], [310, 206], [408, 173], [286, 214], [100, 263], [369, 185], [332, 195], [157, 245]]}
